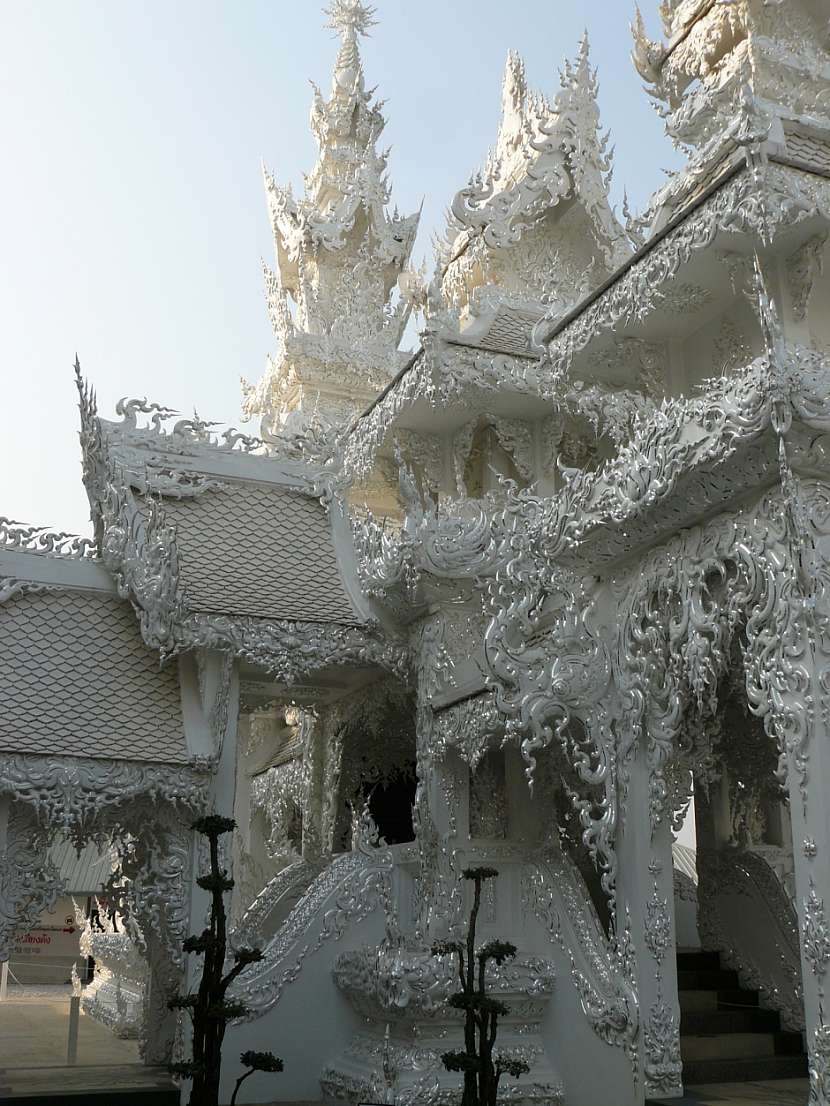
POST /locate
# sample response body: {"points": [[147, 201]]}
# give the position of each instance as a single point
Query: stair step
{"points": [[698, 961], [711, 1021], [714, 979], [727, 1046], [735, 999], [693, 1002], [744, 1071]]}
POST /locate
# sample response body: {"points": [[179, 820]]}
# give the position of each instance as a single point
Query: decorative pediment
{"points": [[535, 224]]}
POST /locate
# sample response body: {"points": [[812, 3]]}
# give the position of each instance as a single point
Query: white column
{"points": [[645, 900]]}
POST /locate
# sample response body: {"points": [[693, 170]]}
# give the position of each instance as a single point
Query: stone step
{"points": [[693, 1002], [710, 1021], [698, 961], [716, 979], [726, 1046], [755, 1069], [733, 999]]}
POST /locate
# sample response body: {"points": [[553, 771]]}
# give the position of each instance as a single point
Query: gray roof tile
{"points": [[77, 680], [259, 550]]}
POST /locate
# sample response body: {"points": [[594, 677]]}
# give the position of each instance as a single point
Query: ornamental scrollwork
{"points": [[344, 893], [471, 727], [819, 1069], [139, 549], [602, 971], [815, 936], [73, 793], [689, 602], [663, 1066], [774, 970], [40, 539], [29, 881], [12, 588]]}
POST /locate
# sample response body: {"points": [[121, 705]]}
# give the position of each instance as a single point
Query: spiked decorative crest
{"points": [[350, 17]]}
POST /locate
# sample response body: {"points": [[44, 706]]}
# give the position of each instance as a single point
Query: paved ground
{"points": [[778, 1092], [33, 1041], [33, 1038]]}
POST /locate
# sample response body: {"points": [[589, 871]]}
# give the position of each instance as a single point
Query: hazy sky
{"points": [[132, 214]]}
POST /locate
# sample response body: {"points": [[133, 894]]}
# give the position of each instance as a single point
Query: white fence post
{"points": [[4, 980], [74, 1018]]}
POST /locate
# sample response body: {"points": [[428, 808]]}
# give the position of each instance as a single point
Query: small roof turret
{"points": [[534, 229]]}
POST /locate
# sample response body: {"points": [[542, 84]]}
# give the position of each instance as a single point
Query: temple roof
{"points": [[260, 550], [76, 679]]}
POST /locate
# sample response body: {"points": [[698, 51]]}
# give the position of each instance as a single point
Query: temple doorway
{"points": [[739, 966]]}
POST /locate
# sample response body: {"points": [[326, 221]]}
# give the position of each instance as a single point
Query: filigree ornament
{"points": [[820, 1064], [39, 539], [11, 588], [602, 971], [815, 939], [687, 604], [663, 1066], [29, 882], [658, 928], [71, 793]]}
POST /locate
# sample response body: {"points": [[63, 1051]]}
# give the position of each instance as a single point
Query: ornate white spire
{"points": [[339, 255]]}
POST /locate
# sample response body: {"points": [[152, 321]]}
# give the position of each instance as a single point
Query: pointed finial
{"points": [[647, 55], [350, 18], [514, 84]]}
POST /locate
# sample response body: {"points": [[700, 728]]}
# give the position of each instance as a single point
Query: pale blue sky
{"points": [[132, 216]]}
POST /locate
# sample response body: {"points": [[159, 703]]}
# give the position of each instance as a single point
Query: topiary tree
{"points": [[481, 1067], [208, 1007], [255, 1061]]}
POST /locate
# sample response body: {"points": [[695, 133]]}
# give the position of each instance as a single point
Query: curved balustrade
{"points": [[736, 884]]}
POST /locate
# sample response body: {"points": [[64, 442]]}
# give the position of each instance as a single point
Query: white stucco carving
{"points": [[592, 577]]}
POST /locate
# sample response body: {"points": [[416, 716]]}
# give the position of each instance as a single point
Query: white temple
{"points": [[517, 598]]}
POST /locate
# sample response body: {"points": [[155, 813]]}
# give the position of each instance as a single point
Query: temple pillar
{"points": [[645, 903], [313, 766], [441, 813], [797, 714], [808, 786]]}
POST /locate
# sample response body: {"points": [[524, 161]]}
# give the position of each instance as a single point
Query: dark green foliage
{"points": [[215, 881], [209, 1008], [260, 1061], [498, 951], [476, 875], [482, 1070], [197, 944], [213, 825], [255, 1061], [184, 1071], [459, 1061]]}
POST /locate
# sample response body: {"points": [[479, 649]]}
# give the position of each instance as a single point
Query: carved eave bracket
{"points": [[74, 793]]}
